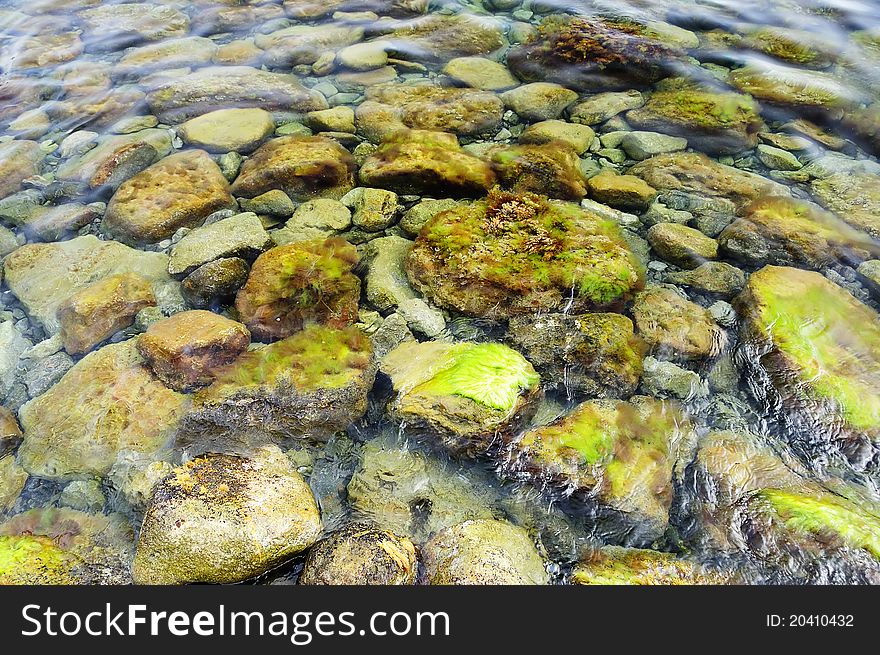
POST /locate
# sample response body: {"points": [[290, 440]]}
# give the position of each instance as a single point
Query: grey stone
{"points": [[239, 235], [665, 379], [387, 283]]}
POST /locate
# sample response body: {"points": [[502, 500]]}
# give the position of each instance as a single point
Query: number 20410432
{"points": [[810, 621]]}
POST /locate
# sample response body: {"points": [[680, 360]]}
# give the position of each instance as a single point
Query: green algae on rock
{"points": [[715, 122], [178, 191], [787, 231], [620, 458], [304, 167], [360, 554], [439, 38], [460, 393], [593, 54], [820, 348], [223, 518], [483, 552], [60, 546], [420, 161], [108, 402], [613, 565], [855, 197], [300, 283], [520, 253], [551, 169], [675, 326], [594, 354], [313, 383]]}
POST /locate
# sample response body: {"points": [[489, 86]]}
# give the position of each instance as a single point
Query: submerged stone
{"points": [[855, 197], [297, 284], [460, 394], [552, 169], [519, 253], [18, 161], [241, 235], [225, 130], [613, 565], [675, 326], [439, 38], [223, 518]]}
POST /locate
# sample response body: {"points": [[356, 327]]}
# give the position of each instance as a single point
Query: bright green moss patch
{"points": [[33, 559], [828, 338], [635, 566], [824, 516], [490, 373], [685, 102]]}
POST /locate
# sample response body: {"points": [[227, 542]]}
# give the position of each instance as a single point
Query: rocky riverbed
{"points": [[439, 292]]}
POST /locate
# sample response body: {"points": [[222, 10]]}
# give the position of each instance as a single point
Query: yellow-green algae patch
{"points": [[34, 559], [821, 334], [613, 565]]}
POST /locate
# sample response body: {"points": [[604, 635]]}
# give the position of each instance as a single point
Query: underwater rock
{"points": [[111, 27], [437, 38], [108, 402], [539, 101], [460, 395], [600, 107], [855, 197], [681, 245], [483, 552], [10, 432], [304, 44], [552, 169], [711, 277], [178, 191], [695, 173], [675, 326], [786, 231], [59, 546], [304, 167], [579, 137], [184, 349], [626, 192], [297, 284], [53, 223], [241, 235], [438, 108], [12, 346], [817, 347], [12, 480], [361, 555], [480, 73], [521, 253], [373, 210], [619, 459], [422, 162], [387, 284], [592, 54], [315, 219], [223, 518], [18, 161], [94, 314], [221, 87], [613, 565], [44, 275], [311, 384], [225, 130], [192, 51], [214, 281], [714, 122], [593, 354]]}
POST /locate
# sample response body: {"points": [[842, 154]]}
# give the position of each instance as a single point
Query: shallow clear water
{"points": [[732, 417]]}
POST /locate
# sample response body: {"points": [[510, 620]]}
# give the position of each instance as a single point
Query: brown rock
{"points": [[10, 433], [18, 161], [184, 349], [100, 310], [669, 323], [621, 191]]}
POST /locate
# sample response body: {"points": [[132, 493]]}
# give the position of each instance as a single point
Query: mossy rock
{"points": [[798, 47], [620, 459], [855, 197], [313, 383], [787, 231], [594, 354], [424, 162], [552, 169], [714, 122], [514, 254], [224, 518], [361, 554], [864, 123], [593, 54], [460, 394], [613, 565], [437, 38], [675, 326], [298, 284], [695, 173], [304, 167], [60, 546], [819, 348], [483, 552]]}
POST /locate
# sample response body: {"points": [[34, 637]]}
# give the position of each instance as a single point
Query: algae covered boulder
{"points": [[461, 394], [224, 518], [60, 546], [552, 169], [361, 554], [303, 167], [818, 348], [178, 191], [514, 254], [676, 326], [855, 197], [594, 354], [439, 38], [613, 565], [593, 54], [715, 122], [108, 402], [424, 162], [313, 383], [483, 552], [297, 284], [621, 459]]}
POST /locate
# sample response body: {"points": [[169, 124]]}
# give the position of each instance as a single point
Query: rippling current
{"points": [[412, 291]]}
